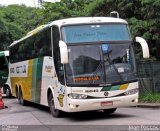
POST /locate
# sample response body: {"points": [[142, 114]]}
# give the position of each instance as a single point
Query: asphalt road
{"points": [[38, 118]]}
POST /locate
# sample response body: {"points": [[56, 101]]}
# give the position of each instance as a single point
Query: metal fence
{"points": [[149, 76]]}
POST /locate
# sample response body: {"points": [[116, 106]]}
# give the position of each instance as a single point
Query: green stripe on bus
{"points": [[115, 88], [37, 79], [107, 88], [110, 88]]}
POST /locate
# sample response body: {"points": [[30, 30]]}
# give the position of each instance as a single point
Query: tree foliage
{"points": [[142, 16], [15, 22]]}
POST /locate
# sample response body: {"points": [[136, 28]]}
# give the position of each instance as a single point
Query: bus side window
{"points": [[56, 54], [42, 44]]}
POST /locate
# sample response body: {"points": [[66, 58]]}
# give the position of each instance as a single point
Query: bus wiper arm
{"points": [[115, 68], [98, 69]]}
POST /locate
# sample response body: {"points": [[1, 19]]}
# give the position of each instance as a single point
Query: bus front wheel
{"points": [[55, 112]]}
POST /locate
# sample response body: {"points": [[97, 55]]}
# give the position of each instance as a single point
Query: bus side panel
{"points": [[28, 96], [19, 77], [27, 75], [36, 79], [48, 79]]}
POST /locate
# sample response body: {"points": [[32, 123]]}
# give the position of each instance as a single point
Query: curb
{"points": [[149, 105]]}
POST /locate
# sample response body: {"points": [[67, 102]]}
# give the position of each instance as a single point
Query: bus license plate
{"points": [[106, 103]]}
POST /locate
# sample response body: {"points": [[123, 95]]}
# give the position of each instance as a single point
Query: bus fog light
{"points": [[73, 106], [135, 100], [131, 92]]}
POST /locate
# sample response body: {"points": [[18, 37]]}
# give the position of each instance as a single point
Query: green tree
{"points": [[15, 22], [3, 34], [64, 9], [142, 16]]}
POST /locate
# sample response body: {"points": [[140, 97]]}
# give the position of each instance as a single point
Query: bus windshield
{"points": [[100, 64], [99, 54], [93, 33]]}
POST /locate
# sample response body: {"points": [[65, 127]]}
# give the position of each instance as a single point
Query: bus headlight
{"points": [[131, 92], [77, 96]]}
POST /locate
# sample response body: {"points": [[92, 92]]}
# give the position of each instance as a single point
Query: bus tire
{"points": [[55, 112], [17, 92], [20, 98], [109, 111]]}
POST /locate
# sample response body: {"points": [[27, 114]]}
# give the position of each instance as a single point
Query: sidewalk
{"points": [[149, 105]]}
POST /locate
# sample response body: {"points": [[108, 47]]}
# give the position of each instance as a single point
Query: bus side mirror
{"points": [[144, 45], [63, 52]]}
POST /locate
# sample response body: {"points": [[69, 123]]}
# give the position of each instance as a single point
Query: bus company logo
{"points": [[21, 69], [4, 77], [62, 90], [106, 93], [90, 91], [12, 70], [48, 69]]}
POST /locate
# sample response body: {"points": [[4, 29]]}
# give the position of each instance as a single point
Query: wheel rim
{"points": [[20, 98]]}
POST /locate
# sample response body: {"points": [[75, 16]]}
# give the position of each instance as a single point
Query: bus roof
{"points": [[73, 21], [87, 20], [4, 53]]}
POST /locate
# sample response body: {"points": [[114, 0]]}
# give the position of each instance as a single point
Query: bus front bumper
{"points": [[78, 105]]}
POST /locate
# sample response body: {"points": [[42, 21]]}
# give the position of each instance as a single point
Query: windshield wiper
{"points": [[98, 70], [112, 64]]}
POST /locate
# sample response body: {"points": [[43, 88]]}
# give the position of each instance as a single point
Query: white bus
{"points": [[77, 64], [4, 78]]}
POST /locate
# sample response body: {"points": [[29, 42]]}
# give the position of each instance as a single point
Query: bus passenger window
{"points": [[56, 53]]}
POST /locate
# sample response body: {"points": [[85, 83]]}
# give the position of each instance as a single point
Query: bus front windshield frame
{"points": [[102, 60]]}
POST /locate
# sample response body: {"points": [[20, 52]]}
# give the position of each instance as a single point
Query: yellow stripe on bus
{"points": [[123, 87], [29, 81]]}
